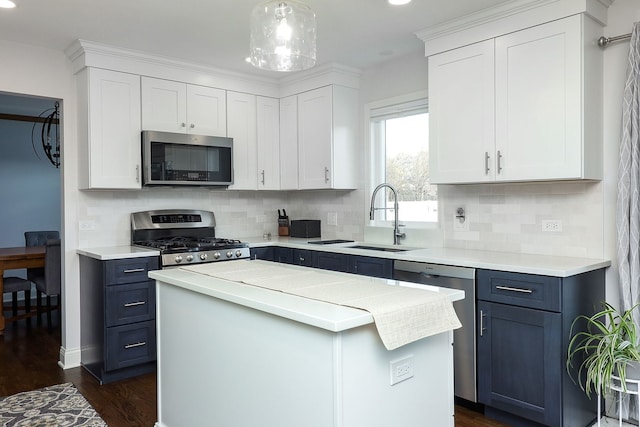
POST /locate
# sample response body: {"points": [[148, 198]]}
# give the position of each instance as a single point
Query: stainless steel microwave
{"points": [[185, 159]]}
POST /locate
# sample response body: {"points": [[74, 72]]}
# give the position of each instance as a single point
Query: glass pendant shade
{"points": [[283, 36]]}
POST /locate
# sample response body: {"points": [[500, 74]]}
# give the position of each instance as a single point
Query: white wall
{"points": [[42, 72]]}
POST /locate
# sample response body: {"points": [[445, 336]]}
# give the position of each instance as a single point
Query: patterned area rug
{"points": [[60, 405]]}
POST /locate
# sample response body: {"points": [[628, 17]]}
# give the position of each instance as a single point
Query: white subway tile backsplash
{"points": [[508, 217]]}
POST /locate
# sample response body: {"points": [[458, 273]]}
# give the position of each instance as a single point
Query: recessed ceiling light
{"points": [[398, 2], [7, 4]]}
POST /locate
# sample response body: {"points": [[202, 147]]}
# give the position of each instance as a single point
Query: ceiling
{"points": [[356, 33]]}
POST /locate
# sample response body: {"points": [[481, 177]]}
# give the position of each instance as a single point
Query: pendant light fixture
{"points": [[283, 36]]}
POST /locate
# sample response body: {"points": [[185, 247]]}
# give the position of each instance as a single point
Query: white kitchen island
{"points": [[238, 355]]}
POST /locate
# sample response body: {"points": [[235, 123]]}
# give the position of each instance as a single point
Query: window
{"points": [[400, 157]]}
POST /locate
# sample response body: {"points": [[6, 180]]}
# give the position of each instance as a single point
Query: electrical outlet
{"points": [[401, 369], [332, 218], [87, 225], [553, 225], [460, 224]]}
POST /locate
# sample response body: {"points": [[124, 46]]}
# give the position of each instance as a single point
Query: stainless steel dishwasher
{"points": [[464, 338]]}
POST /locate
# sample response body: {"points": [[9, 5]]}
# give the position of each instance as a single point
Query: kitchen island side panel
{"points": [[220, 363]]}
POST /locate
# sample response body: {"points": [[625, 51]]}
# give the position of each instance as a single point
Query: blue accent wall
{"points": [[29, 186]]}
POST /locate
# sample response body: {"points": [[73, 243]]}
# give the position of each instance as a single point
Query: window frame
{"points": [[387, 107]]}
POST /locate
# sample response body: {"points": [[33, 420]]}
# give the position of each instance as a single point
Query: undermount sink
{"points": [[378, 248]]}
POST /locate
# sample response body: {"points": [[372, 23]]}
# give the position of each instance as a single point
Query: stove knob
{"points": [[238, 253], [216, 255], [203, 257], [229, 254], [178, 259], [189, 258]]}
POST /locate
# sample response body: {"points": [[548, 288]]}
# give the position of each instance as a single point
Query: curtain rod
{"points": [[604, 41], [20, 118]]}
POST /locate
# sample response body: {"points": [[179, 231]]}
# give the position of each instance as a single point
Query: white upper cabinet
{"points": [[289, 143], [268, 118], [242, 127], [327, 138], [109, 129], [461, 114], [520, 107], [171, 106]]}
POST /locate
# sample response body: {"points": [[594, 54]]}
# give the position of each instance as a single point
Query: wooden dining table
{"points": [[16, 258]]}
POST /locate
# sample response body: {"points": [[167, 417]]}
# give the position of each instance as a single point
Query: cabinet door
{"points": [[303, 257], [284, 255], [206, 111], [315, 133], [113, 146], [265, 253], [289, 143], [461, 114], [520, 361], [268, 116], [331, 261], [241, 126], [371, 266], [164, 105], [538, 102]]}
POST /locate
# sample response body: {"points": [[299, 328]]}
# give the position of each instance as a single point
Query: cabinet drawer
{"points": [[130, 303], [524, 290], [331, 261], [129, 270], [130, 345]]}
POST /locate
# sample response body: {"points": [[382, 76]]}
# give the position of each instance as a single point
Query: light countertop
{"points": [[117, 252], [315, 313], [547, 265]]}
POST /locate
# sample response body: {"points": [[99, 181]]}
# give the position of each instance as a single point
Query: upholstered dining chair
{"points": [[47, 279], [14, 285]]}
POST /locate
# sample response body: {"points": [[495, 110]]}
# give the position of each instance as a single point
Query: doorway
{"points": [[30, 129]]}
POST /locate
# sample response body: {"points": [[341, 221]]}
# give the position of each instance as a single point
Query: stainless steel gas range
{"points": [[184, 236]]}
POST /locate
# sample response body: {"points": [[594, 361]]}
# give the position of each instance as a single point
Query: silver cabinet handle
{"points": [[184, 125], [133, 304], [134, 270], [508, 288], [192, 126], [326, 174], [138, 344], [262, 173], [499, 168], [486, 162], [138, 173], [482, 328], [301, 259]]}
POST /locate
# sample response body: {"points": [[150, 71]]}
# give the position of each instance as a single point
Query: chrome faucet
{"points": [[397, 235]]}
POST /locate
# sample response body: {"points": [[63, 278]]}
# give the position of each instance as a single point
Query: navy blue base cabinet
{"points": [[363, 265], [524, 324], [118, 301]]}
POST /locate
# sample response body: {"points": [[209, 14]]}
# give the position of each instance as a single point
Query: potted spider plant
{"points": [[602, 346]]}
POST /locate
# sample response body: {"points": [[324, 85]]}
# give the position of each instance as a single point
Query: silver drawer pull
{"points": [[133, 304], [134, 270], [482, 328], [138, 344], [508, 288]]}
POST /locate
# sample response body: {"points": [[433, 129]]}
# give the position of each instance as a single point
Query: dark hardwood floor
{"points": [[28, 360]]}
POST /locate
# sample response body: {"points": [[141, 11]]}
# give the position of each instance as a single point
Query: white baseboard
{"points": [[69, 358]]}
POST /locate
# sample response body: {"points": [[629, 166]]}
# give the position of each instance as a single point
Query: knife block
{"points": [[283, 226]]}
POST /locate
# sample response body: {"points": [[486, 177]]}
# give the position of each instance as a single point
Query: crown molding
{"points": [[84, 53], [504, 18]]}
